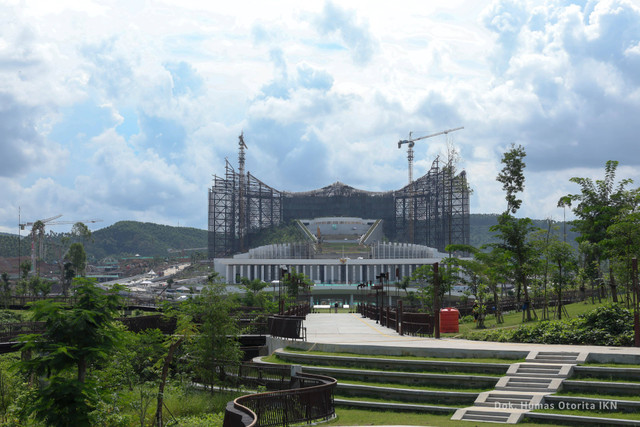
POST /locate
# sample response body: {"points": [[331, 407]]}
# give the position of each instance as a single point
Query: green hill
{"points": [[148, 239], [481, 235], [144, 239]]}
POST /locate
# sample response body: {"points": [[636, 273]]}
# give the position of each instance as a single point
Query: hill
{"points": [[144, 239], [148, 239], [481, 235]]}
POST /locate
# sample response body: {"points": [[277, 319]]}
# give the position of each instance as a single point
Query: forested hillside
{"points": [[144, 239], [481, 235], [147, 239]]}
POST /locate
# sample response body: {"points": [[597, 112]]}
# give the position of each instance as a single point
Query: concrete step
{"points": [[529, 384], [486, 416], [506, 400], [560, 357], [541, 370]]}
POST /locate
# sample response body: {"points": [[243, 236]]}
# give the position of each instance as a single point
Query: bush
{"points": [[610, 325]]}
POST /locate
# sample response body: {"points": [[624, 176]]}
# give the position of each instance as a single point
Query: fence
{"points": [[403, 322], [309, 399]]}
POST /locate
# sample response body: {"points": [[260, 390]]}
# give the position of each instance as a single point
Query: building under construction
{"points": [[433, 210]]}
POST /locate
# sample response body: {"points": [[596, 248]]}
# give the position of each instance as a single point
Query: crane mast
{"points": [[410, 143]]}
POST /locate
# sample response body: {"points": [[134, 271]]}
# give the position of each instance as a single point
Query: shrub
{"points": [[609, 325]]}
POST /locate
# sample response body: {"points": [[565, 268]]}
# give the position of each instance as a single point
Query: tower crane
{"points": [[411, 143], [37, 233]]}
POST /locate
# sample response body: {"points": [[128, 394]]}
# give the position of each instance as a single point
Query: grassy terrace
{"points": [[514, 319], [359, 417], [598, 414], [596, 395], [441, 359], [275, 359], [417, 387], [372, 399]]}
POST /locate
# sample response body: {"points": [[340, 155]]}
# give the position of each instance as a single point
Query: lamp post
{"points": [[283, 272], [636, 298]]}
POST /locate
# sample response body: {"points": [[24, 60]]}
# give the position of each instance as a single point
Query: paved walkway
{"points": [[352, 329]]}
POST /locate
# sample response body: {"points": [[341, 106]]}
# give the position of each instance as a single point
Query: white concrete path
{"points": [[353, 329]]}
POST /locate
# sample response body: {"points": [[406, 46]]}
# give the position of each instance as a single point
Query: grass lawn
{"points": [[361, 417], [599, 414], [377, 356], [611, 365], [417, 387], [276, 359], [373, 399], [514, 319], [604, 379], [598, 395]]}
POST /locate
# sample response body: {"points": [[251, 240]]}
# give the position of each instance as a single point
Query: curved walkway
{"points": [[351, 329]]}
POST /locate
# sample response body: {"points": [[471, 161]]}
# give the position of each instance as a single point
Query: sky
{"points": [[125, 110]]}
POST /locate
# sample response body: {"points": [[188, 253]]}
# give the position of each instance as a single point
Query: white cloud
{"points": [[128, 109]]}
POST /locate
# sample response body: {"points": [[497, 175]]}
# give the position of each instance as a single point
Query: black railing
{"points": [[287, 327], [310, 400]]}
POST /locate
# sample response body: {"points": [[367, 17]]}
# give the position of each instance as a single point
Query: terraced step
{"points": [[506, 400], [493, 416], [540, 370], [561, 357], [488, 415], [529, 384]]}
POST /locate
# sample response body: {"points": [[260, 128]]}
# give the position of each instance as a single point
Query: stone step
{"points": [[508, 398], [486, 416], [563, 357], [540, 370], [528, 384], [529, 380]]}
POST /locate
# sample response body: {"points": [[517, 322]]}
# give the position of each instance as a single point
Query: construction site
{"points": [[431, 211]]}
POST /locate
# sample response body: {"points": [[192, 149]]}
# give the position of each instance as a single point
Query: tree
{"points": [[599, 203], [423, 276], [184, 332], [78, 258], [79, 229], [623, 243], [25, 267], [294, 282], [216, 346], [73, 339], [514, 232], [562, 257], [472, 273], [5, 290], [512, 176]]}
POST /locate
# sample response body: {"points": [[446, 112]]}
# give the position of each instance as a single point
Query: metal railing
{"points": [[311, 400]]}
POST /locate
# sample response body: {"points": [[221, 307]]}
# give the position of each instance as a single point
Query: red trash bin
{"points": [[449, 319]]}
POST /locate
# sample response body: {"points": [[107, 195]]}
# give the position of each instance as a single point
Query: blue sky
{"points": [[124, 110]]}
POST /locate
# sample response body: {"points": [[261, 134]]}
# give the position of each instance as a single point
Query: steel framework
{"points": [[261, 208], [432, 211]]}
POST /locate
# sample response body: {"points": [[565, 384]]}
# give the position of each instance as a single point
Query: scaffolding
{"points": [[432, 211], [238, 206]]}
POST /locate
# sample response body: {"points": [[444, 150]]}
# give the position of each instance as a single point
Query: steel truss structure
{"points": [[434, 209], [261, 207], [431, 211]]}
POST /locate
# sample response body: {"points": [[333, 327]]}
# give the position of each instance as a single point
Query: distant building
{"points": [[433, 211]]}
